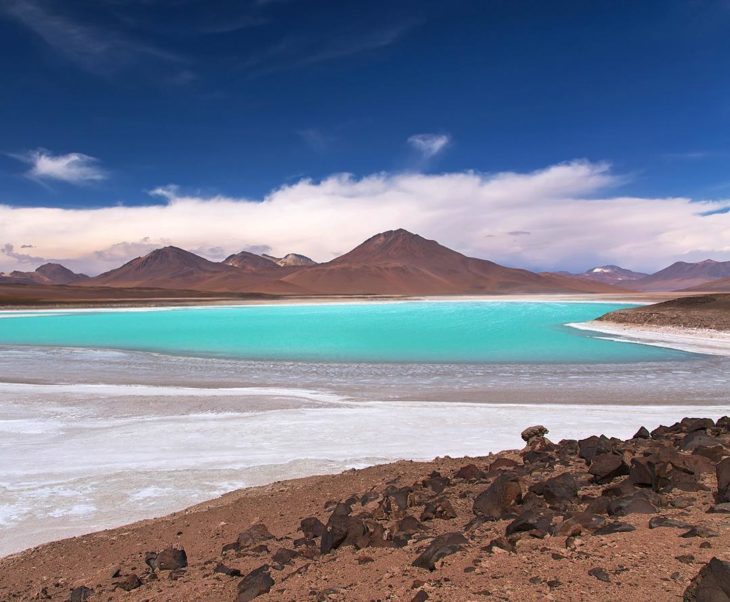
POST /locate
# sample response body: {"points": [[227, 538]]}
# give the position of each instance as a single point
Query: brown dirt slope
{"points": [[705, 311], [597, 519]]}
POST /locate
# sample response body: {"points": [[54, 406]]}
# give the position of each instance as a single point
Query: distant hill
{"points": [[610, 274], [48, 273], [683, 275], [251, 262], [291, 260], [713, 286]]}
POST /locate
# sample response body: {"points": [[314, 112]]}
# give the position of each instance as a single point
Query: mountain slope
{"points": [[169, 267], [251, 262], [713, 286], [48, 273], [682, 275], [398, 262], [291, 260]]}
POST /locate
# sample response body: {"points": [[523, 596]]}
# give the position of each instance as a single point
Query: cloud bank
{"points": [[72, 168], [573, 220]]}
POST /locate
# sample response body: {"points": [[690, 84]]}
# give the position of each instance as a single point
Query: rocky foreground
{"points": [[596, 519]]}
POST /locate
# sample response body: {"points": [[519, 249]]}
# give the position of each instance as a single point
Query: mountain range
{"points": [[396, 262]]}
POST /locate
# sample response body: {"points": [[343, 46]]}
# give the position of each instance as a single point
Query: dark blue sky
{"points": [[238, 98]]}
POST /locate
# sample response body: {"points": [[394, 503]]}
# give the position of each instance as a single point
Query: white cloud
{"points": [[73, 168], [573, 218], [429, 145]]}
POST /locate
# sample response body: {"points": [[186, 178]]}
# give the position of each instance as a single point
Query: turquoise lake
{"points": [[443, 332]]}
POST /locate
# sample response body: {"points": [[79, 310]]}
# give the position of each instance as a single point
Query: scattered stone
{"points": [[256, 583], [631, 504], [284, 556], [599, 574], [421, 596], [80, 594], [703, 532], [442, 546], [560, 489], [253, 535], [685, 558], [436, 482], [226, 570], [170, 559], [504, 493], [129, 582], [440, 508], [711, 584], [615, 527], [469, 472], [312, 527], [592, 446], [723, 508], [662, 521], [530, 521], [607, 466]]}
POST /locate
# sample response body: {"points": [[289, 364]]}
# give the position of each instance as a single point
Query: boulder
{"points": [[499, 498], [442, 546], [256, 583], [533, 432], [284, 556], [607, 466], [642, 433], [252, 536], [615, 527], [469, 472], [560, 489], [312, 527], [663, 521], [592, 446], [226, 570], [711, 584], [578, 522], [170, 559], [436, 482], [439, 508], [530, 520], [637, 503], [690, 425]]}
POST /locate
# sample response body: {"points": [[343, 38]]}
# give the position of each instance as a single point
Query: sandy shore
{"points": [[694, 340]]}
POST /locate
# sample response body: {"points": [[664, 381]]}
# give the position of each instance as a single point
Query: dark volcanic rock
{"points": [[436, 482], [562, 488], [442, 546], [500, 497], [642, 433], [312, 527], [616, 527], [80, 594], [171, 559], [711, 584], [226, 570], [699, 531], [440, 508], [128, 583], [530, 520], [723, 481], [470, 472], [690, 425], [284, 556], [592, 446], [254, 535], [599, 574], [256, 583], [631, 504], [607, 466], [663, 521], [577, 522]]}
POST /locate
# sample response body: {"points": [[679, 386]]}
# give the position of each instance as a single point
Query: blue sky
{"points": [[242, 97], [104, 101]]}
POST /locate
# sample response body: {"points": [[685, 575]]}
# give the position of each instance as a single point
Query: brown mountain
{"points": [[174, 268], [48, 273], [401, 263], [683, 275], [169, 267]]}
